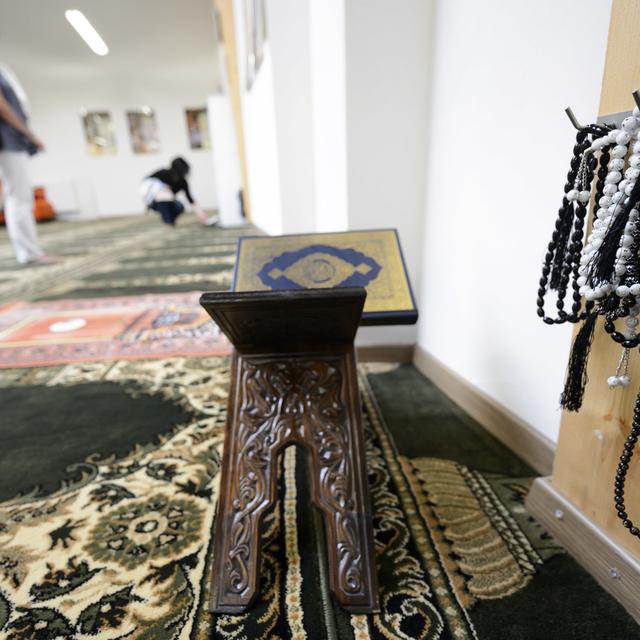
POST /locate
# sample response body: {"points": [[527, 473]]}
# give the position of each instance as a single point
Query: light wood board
{"points": [[590, 441], [610, 564]]}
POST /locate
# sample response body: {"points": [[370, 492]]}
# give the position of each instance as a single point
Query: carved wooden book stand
{"points": [[293, 381]]}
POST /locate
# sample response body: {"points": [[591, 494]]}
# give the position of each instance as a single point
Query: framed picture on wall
{"points": [[256, 30], [197, 128], [143, 130], [98, 132]]}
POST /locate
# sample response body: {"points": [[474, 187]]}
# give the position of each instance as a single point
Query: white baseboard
{"points": [[512, 431]]}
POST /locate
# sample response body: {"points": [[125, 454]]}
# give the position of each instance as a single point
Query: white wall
{"points": [[387, 78], [329, 108], [295, 118], [111, 182], [288, 27], [260, 134], [226, 164], [499, 146]]}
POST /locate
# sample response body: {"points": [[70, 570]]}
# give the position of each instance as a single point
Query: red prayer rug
{"points": [[124, 328]]}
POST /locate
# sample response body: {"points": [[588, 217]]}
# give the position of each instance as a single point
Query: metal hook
{"points": [[636, 97], [574, 120]]}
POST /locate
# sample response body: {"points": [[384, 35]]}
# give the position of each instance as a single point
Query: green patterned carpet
{"points": [[116, 464]]}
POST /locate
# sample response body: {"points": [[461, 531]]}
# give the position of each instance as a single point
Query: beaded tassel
{"points": [[576, 379]]}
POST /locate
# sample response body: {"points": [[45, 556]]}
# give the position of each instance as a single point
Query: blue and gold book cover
{"points": [[370, 259]]}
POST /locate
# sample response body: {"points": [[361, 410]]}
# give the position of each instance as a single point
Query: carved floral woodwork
{"points": [[305, 396]]}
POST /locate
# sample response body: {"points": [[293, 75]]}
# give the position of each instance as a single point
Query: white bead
{"points": [[623, 138], [602, 214], [620, 269], [622, 186], [612, 381], [572, 195], [632, 173], [622, 291], [581, 281], [636, 147], [605, 201], [619, 151], [617, 164], [613, 134], [609, 190], [613, 177], [616, 197], [629, 124], [631, 322], [596, 242], [629, 334], [597, 144], [626, 241], [624, 380], [590, 295], [584, 196], [629, 188], [583, 289]]}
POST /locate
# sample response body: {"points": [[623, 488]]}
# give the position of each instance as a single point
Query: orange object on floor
{"points": [[42, 208]]}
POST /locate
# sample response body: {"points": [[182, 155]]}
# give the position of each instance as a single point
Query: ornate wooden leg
{"points": [[247, 490], [333, 432]]}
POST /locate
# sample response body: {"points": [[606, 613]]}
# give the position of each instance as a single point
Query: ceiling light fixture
{"points": [[86, 31]]}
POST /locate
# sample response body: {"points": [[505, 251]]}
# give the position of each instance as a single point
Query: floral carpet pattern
{"points": [[131, 327], [122, 550], [110, 462]]}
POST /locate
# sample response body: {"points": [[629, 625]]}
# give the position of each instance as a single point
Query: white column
{"points": [[329, 113]]}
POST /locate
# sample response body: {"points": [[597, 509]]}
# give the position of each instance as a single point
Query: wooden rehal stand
{"points": [[293, 381]]}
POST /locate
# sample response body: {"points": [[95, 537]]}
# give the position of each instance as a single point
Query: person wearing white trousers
{"points": [[17, 189], [17, 143]]}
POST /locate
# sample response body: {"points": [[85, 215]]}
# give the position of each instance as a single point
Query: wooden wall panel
{"points": [[590, 441], [224, 10]]}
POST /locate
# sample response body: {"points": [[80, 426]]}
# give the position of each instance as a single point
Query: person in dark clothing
{"points": [[159, 192]]}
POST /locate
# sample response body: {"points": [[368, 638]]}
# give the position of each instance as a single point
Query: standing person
{"points": [[159, 192], [17, 143]]}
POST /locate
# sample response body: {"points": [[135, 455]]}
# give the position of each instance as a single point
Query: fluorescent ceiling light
{"points": [[86, 31]]}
